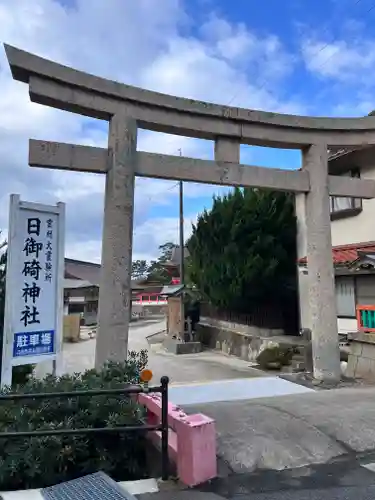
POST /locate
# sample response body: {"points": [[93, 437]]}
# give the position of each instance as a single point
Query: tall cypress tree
{"points": [[243, 251]]}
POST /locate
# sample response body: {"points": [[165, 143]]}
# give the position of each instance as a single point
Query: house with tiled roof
{"points": [[81, 290], [353, 237]]}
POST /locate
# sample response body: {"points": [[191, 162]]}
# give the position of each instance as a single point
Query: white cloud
{"points": [[345, 61], [149, 235], [154, 232], [139, 43], [89, 250], [262, 58]]}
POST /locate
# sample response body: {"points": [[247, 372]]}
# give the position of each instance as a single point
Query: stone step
{"points": [[298, 364]]}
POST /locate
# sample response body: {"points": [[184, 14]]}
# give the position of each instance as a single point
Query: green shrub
{"points": [[21, 374], [274, 356], [42, 461]]}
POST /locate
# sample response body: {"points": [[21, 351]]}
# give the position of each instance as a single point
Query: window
{"points": [[76, 308], [345, 296], [92, 306], [153, 298], [366, 290], [341, 206], [340, 203]]}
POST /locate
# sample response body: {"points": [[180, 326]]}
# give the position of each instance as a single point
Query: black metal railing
{"points": [[133, 389]]}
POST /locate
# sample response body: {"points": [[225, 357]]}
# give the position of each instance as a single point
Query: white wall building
{"points": [[353, 241]]}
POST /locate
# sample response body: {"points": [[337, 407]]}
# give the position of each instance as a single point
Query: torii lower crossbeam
{"points": [[62, 156]]}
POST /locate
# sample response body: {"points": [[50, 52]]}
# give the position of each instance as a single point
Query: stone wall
{"points": [[235, 339], [71, 327], [149, 311], [361, 359]]}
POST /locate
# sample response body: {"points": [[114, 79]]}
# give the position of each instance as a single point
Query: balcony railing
{"points": [[366, 318]]}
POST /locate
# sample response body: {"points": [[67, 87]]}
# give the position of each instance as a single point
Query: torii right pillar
{"points": [[322, 299]]}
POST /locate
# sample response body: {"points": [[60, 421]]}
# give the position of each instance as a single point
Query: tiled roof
{"points": [[147, 289], [74, 283], [172, 289], [81, 274], [336, 153], [346, 254], [333, 154], [81, 270]]}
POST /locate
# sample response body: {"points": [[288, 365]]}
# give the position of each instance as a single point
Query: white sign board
{"points": [[34, 286]]}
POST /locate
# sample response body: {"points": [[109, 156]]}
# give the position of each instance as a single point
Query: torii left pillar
{"points": [[115, 283]]}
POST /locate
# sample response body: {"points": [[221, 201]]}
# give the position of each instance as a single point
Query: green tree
{"points": [[139, 269], [157, 270], [243, 251], [166, 251]]}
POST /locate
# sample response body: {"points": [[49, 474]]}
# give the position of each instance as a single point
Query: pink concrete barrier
{"points": [[192, 440]]}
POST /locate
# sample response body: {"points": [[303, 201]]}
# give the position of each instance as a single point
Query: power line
{"points": [[335, 52], [321, 49]]}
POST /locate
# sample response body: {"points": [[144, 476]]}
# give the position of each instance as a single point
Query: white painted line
{"points": [[234, 390], [141, 486], [370, 466], [22, 495], [209, 381]]}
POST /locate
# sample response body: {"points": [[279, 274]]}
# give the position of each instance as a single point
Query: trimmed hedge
{"points": [[274, 356], [43, 461]]}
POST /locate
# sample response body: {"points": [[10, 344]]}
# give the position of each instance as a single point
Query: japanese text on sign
{"points": [[31, 343], [35, 332]]}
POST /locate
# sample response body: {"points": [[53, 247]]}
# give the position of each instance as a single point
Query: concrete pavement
{"points": [[340, 480], [344, 479], [233, 390], [292, 431]]}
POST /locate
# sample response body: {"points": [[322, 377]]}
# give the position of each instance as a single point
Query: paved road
{"points": [[342, 479], [293, 431], [346, 479], [206, 366]]}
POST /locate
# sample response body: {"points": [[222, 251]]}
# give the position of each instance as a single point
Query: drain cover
{"points": [[97, 486]]}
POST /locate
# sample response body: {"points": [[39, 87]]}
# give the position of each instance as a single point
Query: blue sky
{"points": [[313, 57]]}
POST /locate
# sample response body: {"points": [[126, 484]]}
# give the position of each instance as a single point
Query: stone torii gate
{"points": [[128, 108]]}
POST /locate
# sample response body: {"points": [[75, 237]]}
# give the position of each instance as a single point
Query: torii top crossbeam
{"points": [[65, 88]]}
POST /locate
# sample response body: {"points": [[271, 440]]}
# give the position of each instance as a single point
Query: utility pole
{"points": [[182, 255]]}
